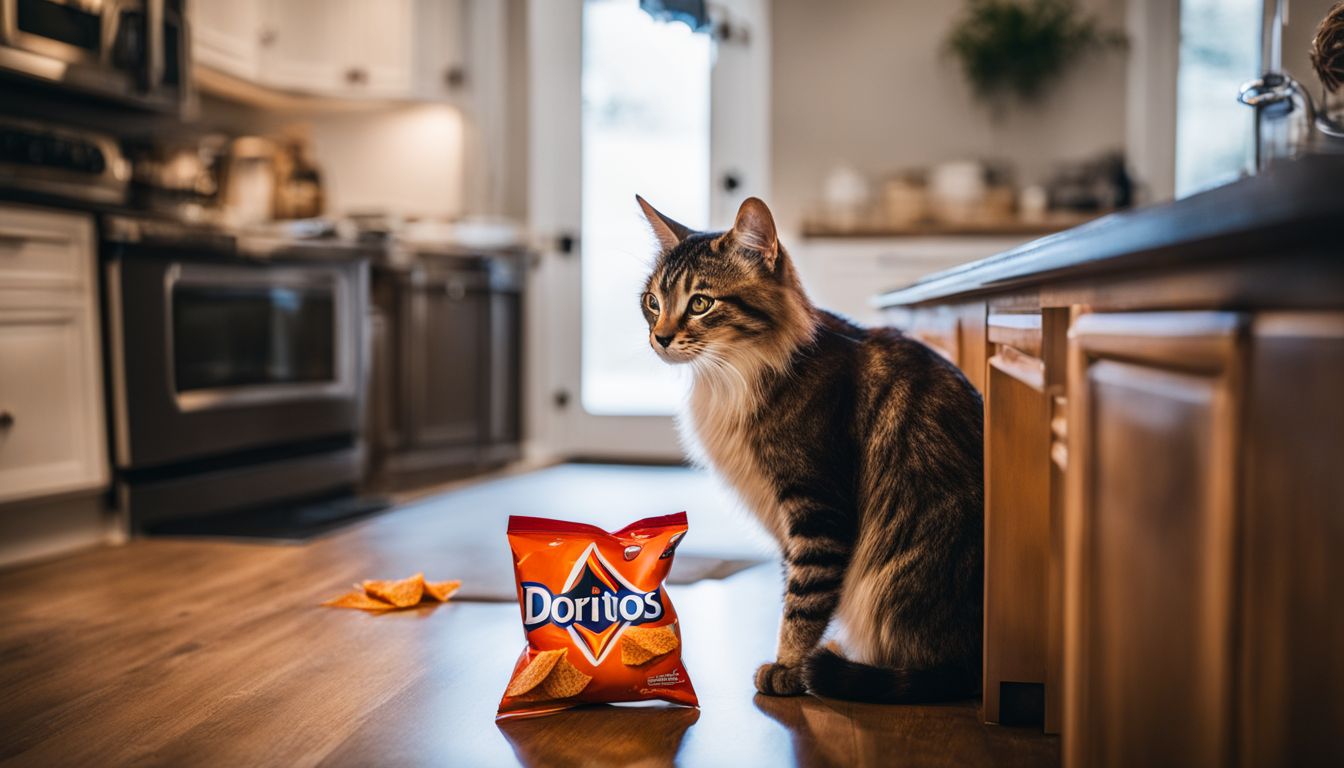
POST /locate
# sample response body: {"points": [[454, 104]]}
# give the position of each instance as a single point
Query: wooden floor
{"points": [[189, 652]]}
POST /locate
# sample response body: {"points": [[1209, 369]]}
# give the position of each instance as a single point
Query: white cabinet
{"points": [[844, 274], [52, 430], [305, 46], [226, 36], [440, 65], [397, 49], [378, 46]]}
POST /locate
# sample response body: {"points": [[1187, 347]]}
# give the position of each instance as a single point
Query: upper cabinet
{"points": [[392, 49], [226, 36]]}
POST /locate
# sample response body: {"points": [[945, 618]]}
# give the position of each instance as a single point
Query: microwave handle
{"points": [[151, 74]]}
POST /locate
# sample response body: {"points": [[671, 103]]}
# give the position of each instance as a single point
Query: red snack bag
{"points": [[598, 622]]}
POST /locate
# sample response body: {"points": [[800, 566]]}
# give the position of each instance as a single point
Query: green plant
{"points": [[1017, 47]]}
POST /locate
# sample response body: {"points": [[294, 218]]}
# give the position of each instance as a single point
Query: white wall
{"points": [[405, 159], [867, 83]]}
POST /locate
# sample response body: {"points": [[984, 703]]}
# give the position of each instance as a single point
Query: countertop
{"points": [[1296, 204], [190, 652]]}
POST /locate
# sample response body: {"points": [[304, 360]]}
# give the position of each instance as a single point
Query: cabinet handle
{"points": [[6, 419], [356, 76]]}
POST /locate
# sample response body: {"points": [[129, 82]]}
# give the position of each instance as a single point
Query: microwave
{"points": [[133, 52]]}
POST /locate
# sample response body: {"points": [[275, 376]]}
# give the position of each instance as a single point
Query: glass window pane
{"points": [[1220, 50], [234, 337], [645, 131]]}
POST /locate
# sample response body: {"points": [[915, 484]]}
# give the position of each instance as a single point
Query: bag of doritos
{"points": [[598, 622]]}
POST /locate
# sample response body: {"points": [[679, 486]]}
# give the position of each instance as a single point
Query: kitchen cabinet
{"points": [[841, 274], [446, 390], [1162, 441], [440, 64], [226, 35], [349, 49], [1017, 524], [52, 432], [1155, 403], [338, 47]]}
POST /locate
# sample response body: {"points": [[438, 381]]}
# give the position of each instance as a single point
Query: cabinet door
{"points": [[51, 430], [225, 35], [446, 371], [378, 41], [440, 50], [1293, 543], [1017, 522], [304, 45], [1154, 433]]}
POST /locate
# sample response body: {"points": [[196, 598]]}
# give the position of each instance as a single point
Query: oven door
{"points": [[212, 359]]}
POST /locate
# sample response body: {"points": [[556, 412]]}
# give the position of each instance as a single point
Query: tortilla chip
{"points": [[535, 672], [441, 590], [565, 680], [359, 600], [402, 594], [640, 645]]}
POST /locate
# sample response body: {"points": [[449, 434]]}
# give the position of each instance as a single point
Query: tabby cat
{"points": [[859, 449]]}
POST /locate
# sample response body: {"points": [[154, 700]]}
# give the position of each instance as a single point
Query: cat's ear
{"points": [[754, 229], [668, 231]]}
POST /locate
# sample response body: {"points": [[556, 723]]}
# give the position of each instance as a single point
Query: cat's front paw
{"points": [[775, 679]]}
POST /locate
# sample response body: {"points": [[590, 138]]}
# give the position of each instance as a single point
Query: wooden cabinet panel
{"points": [[1153, 443], [1017, 537], [1292, 668]]}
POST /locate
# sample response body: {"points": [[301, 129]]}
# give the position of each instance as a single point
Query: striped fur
{"points": [[859, 449]]}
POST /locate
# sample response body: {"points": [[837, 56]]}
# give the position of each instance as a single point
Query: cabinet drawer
{"points": [[40, 249], [51, 437]]}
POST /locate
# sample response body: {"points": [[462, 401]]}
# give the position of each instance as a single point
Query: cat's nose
{"points": [[664, 340]]}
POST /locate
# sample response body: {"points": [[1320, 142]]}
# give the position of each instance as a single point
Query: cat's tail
{"points": [[827, 673]]}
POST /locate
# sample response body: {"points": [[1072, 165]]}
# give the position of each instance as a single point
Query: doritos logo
{"points": [[595, 604], [599, 624]]}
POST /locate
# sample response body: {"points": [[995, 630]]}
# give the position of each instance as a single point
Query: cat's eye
{"points": [[700, 304], [651, 302]]}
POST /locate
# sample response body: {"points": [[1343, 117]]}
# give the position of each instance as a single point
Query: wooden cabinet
{"points": [[1164, 500], [1291, 553], [1017, 522], [1154, 440], [446, 394], [52, 433]]}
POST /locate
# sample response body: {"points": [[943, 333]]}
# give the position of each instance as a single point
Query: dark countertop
{"points": [[1295, 204]]}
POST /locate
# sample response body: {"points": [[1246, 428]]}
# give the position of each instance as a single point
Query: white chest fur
{"points": [[716, 429]]}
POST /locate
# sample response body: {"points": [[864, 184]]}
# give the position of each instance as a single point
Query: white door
{"points": [[624, 104]]}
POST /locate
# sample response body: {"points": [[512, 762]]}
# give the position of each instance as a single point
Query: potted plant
{"points": [[1013, 49]]}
